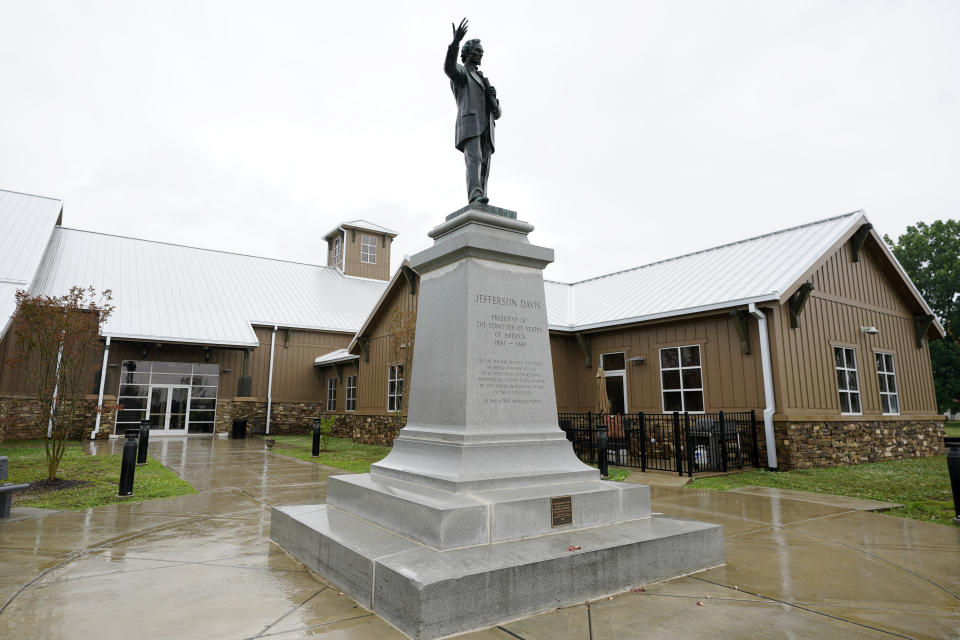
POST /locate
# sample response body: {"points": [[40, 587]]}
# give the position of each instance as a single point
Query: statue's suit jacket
{"points": [[474, 113]]}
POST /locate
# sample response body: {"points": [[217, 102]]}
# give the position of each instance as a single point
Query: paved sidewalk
{"points": [[202, 566]]}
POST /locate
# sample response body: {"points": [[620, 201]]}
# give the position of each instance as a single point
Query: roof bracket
{"points": [[584, 342], [410, 275], [286, 337], [353, 235], [340, 373], [921, 323], [797, 301], [383, 239], [857, 240], [741, 320], [364, 343]]}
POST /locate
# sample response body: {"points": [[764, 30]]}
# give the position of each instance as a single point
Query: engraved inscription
{"points": [[511, 381], [561, 511]]}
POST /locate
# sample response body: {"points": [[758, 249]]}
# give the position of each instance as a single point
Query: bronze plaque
{"points": [[561, 511]]}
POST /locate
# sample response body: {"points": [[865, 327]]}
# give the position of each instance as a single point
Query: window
{"points": [[337, 251], [614, 370], [368, 249], [351, 397], [144, 384], [395, 388], [847, 382], [681, 379], [889, 400], [331, 394]]}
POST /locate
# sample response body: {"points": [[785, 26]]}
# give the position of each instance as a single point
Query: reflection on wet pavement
{"points": [[202, 566]]}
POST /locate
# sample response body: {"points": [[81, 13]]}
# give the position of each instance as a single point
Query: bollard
{"points": [[602, 450], [143, 441], [128, 465], [315, 452], [953, 468]]}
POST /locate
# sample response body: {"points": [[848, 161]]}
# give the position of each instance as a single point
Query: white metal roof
{"points": [[752, 270], [340, 355], [171, 293], [26, 223], [361, 224]]}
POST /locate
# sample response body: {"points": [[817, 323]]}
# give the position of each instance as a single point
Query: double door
{"points": [[168, 408]]}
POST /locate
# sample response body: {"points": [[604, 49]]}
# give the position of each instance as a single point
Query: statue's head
{"points": [[472, 52]]}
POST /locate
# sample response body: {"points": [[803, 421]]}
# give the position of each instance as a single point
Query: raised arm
{"points": [[450, 62]]}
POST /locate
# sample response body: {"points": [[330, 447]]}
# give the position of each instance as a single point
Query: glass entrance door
{"points": [[168, 409]]}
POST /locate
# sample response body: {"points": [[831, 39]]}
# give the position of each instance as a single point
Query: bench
{"points": [[7, 489]]}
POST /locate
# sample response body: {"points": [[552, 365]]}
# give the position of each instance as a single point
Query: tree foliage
{"points": [[930, 253], [57, 345]]}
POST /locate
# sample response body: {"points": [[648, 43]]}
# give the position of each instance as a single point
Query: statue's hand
{"points": [[491, 92], [459, 32]]}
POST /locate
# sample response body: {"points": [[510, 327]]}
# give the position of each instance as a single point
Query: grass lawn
{"points": [[100, 475], [922, 485], [953, 429], [343, 453]]}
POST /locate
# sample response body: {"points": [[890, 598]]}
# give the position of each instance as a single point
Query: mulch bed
{"points": [[45, 486]]}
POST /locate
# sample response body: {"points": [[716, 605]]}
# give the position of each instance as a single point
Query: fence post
{"points": [[591, 434], [753, 430], [643, 442], [686, 428], [602, 450], [677, 450], [723, 445]]}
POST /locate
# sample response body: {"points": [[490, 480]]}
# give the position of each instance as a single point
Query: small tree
{"points": [[57, 342], [402, 329]]}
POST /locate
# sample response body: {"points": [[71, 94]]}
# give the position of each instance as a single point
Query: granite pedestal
{"points": [[482, 512]]}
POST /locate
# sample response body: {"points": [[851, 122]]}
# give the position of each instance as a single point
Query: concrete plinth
{"points": [[470, 520], [428, 593]]}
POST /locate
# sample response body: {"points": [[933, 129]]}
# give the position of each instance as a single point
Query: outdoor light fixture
{"points": [[206, 354], [871, 330], [637, 359], [225, 370]]}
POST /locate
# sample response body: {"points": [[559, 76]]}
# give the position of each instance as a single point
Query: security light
{"points": [[871, 330]]}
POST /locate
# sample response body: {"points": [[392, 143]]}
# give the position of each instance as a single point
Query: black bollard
{"points": [[602, 450], [128, 465], [953, 468], [315, 452], [143, 442]]}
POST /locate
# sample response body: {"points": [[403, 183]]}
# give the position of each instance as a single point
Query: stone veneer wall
{"points": [[25, 418], [369, 429], [809, 444], [297, 418]]}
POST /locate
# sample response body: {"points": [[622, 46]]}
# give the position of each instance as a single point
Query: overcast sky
{"points": [[631, 131]]}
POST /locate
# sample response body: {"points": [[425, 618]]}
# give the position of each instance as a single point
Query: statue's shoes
{"points": [[481, 200]]}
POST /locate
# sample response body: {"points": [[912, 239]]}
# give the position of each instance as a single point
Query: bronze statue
{"points": [[477, 109]]}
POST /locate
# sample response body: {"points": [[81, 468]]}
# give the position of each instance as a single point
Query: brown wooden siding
{"points": [[731, 380], [372, 379], [849, 295], [340, 373], [354, 267], [330, 262]]}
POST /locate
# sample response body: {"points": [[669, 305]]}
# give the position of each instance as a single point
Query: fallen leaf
{"points": [[699, 603], [573, 548]]}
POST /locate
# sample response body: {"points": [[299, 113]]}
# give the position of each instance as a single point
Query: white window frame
{"points": [[887, 376], [350, 396], [850, 392], [338, 251], [615, 373], [331, 394], [368, 249], [680, 369], [395, 375]]}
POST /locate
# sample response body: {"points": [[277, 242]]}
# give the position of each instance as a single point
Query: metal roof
{"points": [[340, 355], [752, 270], [26, 223], [172, 293], [361, 224]]}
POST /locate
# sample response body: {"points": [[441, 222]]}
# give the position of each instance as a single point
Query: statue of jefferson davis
{"points": [[477, 109]]}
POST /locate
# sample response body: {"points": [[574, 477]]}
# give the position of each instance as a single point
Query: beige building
{"points": [[201, 337]]}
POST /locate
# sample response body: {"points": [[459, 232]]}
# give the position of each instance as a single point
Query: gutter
{"points": [[273, 345], [771, 407], [103, 380]]}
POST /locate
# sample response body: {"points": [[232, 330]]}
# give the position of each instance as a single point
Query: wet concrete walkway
{"points": [[202, 566]]}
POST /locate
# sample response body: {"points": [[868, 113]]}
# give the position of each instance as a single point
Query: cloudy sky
{"points": [[632, 131]]}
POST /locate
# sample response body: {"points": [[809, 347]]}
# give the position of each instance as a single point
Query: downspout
{"points": [[771, 407], [103, 381], [273, 344], [56, 390]]}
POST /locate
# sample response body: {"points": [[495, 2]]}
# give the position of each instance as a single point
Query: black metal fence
{"points": [[681, 442]]}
